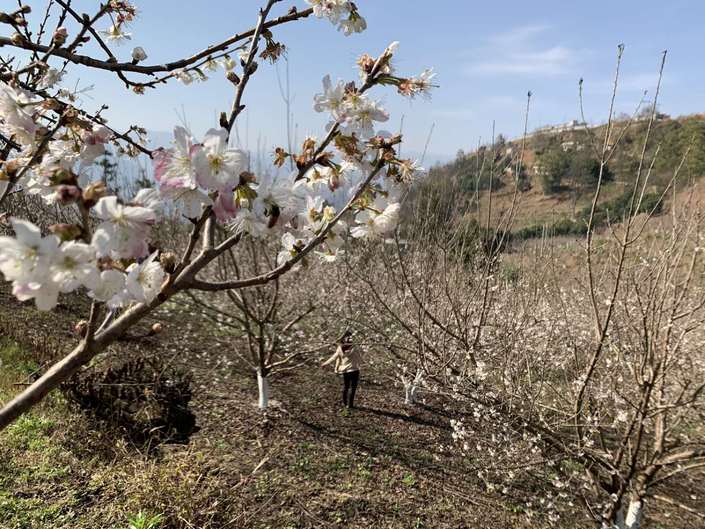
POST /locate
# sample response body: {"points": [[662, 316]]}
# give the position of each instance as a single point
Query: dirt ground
{"points": [[303, 464]]}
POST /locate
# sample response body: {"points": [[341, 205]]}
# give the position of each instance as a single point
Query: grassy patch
{"points": [[15, 365], [610, 211], [30, 432]]}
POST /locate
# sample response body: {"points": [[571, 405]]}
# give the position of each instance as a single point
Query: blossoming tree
{"points": [[346, 183], [276, 327], [581, 386]]}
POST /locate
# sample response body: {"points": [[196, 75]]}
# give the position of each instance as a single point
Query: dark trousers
{"points": [[350, 381]]}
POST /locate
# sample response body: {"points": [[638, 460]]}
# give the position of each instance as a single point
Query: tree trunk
{"points": [[410, 393], [635, 513], [631, 519], [263, 388], [411, 386]]}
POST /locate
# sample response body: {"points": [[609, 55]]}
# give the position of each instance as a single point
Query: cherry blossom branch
{"points": [[249, 66], [209, 173], [110, 66], [33, 159], [288, 265], [70, 364], [93, 118], [602, 326]]}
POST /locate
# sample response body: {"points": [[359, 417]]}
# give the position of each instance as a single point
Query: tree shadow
{"points": [[406, 418]]}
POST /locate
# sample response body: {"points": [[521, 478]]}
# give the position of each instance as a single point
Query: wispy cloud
{"points": [[632, 84], [520, 52], [640, 82], [517, 36]]}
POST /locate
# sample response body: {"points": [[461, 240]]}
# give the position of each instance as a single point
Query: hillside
{"points": [[559, 168]]}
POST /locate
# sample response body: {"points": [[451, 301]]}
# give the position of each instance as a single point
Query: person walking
{"points": [[347, 363]]}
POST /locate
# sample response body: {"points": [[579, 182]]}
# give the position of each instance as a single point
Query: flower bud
{"points": [[233, 78], [66, 232], [60, 36], [309, 145], [334, 182], [67, 194], [93, 193], [138, 54], [17, 39], [81, 328]]}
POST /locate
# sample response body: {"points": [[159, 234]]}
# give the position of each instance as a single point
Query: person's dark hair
{"points": [[345, 338]]}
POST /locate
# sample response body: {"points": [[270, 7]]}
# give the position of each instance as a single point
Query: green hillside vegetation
{"points": [[564, 166]]}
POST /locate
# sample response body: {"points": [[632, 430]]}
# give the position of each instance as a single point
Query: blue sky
{"points": [[487, 56]]}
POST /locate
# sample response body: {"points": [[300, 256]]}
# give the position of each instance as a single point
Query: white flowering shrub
{"points": [[579, 382], [345, 186]]}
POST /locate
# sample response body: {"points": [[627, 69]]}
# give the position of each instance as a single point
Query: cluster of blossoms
{"points": [[296, 206], [122, 14], [347, 185], [42, 267], [114, 263], [104, 262], [341, 13]]}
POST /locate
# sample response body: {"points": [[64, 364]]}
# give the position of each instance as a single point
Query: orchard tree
{"points": [[554, 166], [264, 323], [348, 182], [575, 389]]}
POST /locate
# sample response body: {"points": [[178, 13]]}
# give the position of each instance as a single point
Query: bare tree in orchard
{"points": [[275, 326], [581, 388]]}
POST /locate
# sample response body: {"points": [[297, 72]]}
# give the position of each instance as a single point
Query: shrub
{"points": [[617, 208], [611, 210], [554, 168], [145, 399], [584, 171]]}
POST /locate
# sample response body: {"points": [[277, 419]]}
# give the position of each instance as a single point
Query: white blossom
{"points": [[109, 288], [332, 99], [17, 107], [217, 166], [51, 78], [28, 255], [115, 34], [144, 280], [75, 265], [138, 54], [124, 230], [372, 224], [250, 220]]}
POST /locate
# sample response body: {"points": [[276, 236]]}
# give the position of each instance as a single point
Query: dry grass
{"points": [[303, 465]]}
